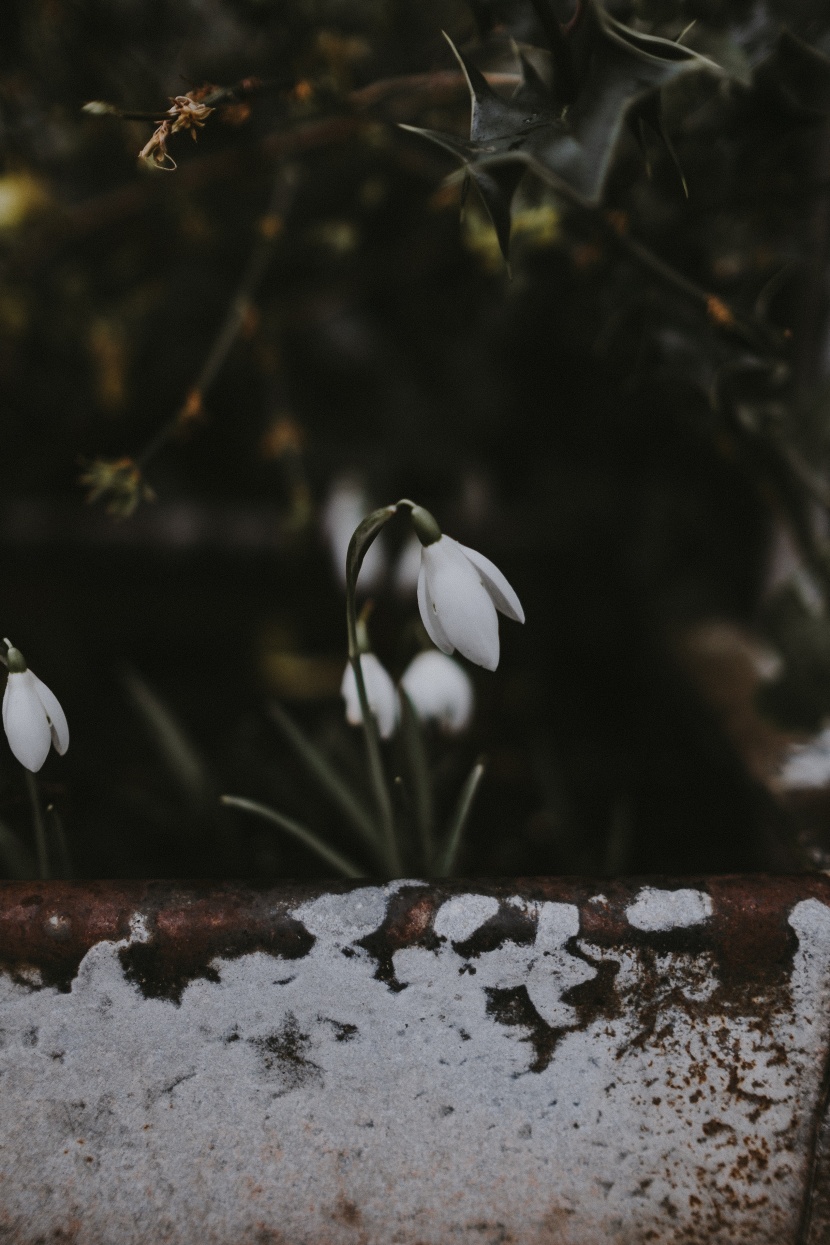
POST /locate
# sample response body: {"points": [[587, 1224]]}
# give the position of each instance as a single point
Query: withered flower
{"points": [[185, 113], [120, 481]]}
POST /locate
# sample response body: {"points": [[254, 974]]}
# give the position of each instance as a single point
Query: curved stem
{"points": [[446, 862], [362, 538], [310, 840]]}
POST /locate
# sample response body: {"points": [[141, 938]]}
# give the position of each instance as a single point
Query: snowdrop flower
{"points": [[440, 690], [807, 767], [346, 506], [32, 718], [380, 693], [459, 592]]}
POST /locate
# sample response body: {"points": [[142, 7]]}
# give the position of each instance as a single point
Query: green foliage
{"points": [[624, 421], [566, 132]]}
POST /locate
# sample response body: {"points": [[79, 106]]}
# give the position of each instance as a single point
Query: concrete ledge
{"points": [[532, 1061]]}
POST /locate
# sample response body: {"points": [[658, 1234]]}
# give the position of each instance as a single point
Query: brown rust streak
{"points": [[47, 928]]}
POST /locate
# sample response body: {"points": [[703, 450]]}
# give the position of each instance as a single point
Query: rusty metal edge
{"points": [[47, 927]]}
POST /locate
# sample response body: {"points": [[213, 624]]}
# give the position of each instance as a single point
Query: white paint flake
{"points": [[460, 917], [656, 909]]}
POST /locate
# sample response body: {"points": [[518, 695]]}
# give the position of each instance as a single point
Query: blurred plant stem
{"points": [[331, 782], [271, 227], [39, 825], [60, 842], [419, 776], [618, 842], [307, 837], [447, 859], [17, 860]]}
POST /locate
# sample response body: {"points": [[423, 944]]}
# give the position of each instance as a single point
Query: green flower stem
{"points": [[39, 824], [59, 840], [418, 765], [360, 542], [307, 837], [446, 862]]}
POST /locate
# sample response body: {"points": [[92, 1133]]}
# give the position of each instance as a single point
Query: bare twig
{"points": [[751, 329], [192, 409], [391, 98]]}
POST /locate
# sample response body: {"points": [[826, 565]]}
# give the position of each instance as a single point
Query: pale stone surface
{"points": [[307, 1101]]}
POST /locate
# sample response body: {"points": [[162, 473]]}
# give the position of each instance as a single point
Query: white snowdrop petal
{"points": [[348, 690], [24, 720], [440, 690], [55, 714], [380, 693], [463, 605], [503, 595], [429, 616]]}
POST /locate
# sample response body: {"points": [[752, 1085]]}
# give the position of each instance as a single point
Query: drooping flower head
{"points": [[32, 717], [459, 592], [440, 690]]}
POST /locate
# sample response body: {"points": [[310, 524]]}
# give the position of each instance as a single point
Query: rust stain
{"points": [[46, 930], [735, 964]]}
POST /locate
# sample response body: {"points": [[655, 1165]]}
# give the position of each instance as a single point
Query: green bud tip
{"points": [[15, 659], [426, 529]]}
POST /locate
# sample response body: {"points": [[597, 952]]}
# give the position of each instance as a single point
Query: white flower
{"points": [[380, 693], [459, 592], [346, 507], [440, 690], [32, 717], [807, 766]]}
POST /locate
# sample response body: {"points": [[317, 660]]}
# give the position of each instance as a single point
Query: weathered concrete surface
{"points": [[542, 1061]]}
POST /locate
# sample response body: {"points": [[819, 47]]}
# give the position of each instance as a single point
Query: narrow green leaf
{"points": [[446, 862], [412, 736], [319, 766], [181, 757], [618, 842], [60, 841], [18, 861], [39, 824], [307, 837]]}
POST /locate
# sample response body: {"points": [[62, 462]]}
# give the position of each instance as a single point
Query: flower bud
{"points": [[380, 693]]}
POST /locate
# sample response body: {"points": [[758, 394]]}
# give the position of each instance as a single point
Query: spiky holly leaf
{"points": [[495, 124], [613, 69]]}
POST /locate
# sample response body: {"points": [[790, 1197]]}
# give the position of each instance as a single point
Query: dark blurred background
{"points": [[651, 482]]}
